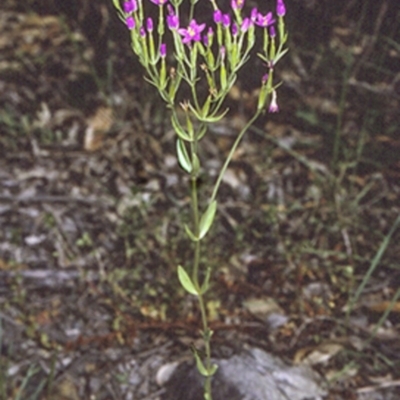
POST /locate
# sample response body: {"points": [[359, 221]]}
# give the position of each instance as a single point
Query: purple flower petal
{"points": [[226, 20], [159, 2], [273, 106], [217, 16], [237, 4], [163, 50], [264, 20], [172, 21], [192, 33], [149, 25], [272, 31], [130, 23], [130, 6], [280, 8], [246, 25]]}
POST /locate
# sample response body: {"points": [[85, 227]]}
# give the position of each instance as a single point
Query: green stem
{"points": [[231, 153], [195, 275], [195, 216]]}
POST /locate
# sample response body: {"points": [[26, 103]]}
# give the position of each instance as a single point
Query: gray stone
{"points": [[250, 375]]}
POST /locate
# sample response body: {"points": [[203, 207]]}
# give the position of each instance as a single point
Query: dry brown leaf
{"points": [[98, 125], [383, 306], [320, 354]]}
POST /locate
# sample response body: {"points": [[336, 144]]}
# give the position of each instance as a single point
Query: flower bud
{"points": [[280, 8], [253, 14], [163, 50], [273, 106], [245, 25], [130, 23], [226, 20], [237, 4], [217, 16], [272, 32], [234, 29], [130, 6], [149, 25], [172, 21]]}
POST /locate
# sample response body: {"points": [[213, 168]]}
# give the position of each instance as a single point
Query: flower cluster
{"points": [[224, 46]]}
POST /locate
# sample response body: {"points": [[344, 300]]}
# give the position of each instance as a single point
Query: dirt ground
{"points": [[305, 254]]}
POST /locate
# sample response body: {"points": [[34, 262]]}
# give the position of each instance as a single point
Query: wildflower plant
{"points": [[201, 54]]}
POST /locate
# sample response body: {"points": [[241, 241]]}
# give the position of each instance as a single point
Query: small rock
{"points": [[250, 375]]}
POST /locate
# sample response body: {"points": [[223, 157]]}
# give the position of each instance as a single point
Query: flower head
{"points": [[280, 8], [130, 23], [264, 20], [149, 25], [273, 106], [246, 25], [237, 4], [172, 18], [272, 31], [234, 29], [222, 51], [217, 16], [253, 15], [172, 21], [130, 6], [163, 50], [207, 39], [226, 20], [192, 33], [159, 2]]}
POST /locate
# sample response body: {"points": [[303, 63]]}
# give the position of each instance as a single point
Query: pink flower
{"points": [[159, 2], [130, 6], [246, 25], [163, 50], [172, 18], [149, 25], [280, 8], [217, 16], [226, 20], [264, 20], [272, 31], [130, 23], [172, 21], [273, 106], [192, 33], [237, 4]]}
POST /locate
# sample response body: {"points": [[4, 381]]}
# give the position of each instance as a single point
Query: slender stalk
{"points": [[195, 216], [231, 153], [196, 258], [195, 274]]}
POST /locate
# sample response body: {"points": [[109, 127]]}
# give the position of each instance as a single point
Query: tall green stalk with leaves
{"points": [[203, 54]]}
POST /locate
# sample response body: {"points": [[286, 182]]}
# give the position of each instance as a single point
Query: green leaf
{"points": [[202, 132], [211, 118], [117, 5], [207, 219], [199, 364], [206, 106], [280, 55], [201, 368], [196, 164], [186, 282], [223, 80], [183, 156], [213, 369], [190, 234], [179, 130]]}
